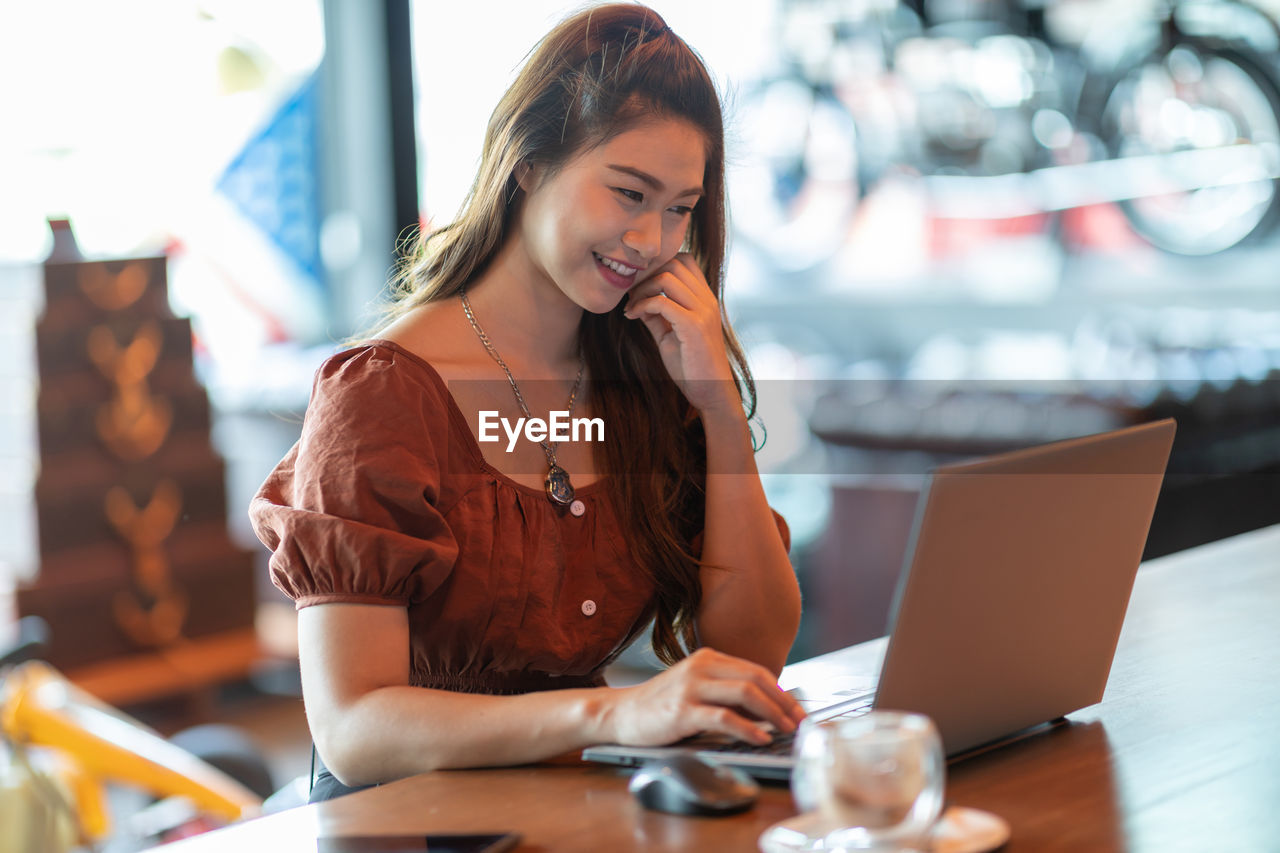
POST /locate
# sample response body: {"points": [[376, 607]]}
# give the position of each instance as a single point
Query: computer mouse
{"points": [[682, 783]]}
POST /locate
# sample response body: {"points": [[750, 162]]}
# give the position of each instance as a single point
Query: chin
{"points": [[606, 309], [601, 303]]}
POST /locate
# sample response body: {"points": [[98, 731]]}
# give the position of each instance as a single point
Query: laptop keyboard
{"points": [[782, 741], [780, 745]]}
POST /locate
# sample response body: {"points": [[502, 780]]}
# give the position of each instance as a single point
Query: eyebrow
{"points": [[650, 180]]}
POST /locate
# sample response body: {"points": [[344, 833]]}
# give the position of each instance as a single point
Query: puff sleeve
{"points": [[351, 513]]}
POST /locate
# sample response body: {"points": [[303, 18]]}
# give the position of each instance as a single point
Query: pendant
{"points": [[559, 489]]}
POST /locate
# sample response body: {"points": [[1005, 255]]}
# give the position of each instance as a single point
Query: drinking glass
{"points": [[876, 780]]}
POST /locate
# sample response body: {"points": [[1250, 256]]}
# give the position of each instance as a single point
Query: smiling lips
{"points": [[615, 272]]}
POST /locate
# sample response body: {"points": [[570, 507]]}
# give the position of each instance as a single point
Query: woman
{"points": [[459, 600]]}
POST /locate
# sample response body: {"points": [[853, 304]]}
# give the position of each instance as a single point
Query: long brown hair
{"points": [[597, 74]]}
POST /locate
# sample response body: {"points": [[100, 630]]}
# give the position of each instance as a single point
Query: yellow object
{"points": [[41, 708]]}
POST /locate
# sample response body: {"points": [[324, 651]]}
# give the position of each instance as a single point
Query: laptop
{"points": [[1010, 602]]}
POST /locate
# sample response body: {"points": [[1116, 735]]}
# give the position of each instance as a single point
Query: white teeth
{"points": [[620, 269]]}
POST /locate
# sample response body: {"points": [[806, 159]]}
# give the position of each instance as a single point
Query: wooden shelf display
{"points": [[135, 559]]}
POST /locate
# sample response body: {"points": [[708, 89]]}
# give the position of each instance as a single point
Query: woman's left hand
{"points": [[678, 308]]}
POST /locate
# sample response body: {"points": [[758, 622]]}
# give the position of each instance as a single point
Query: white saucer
{"points": [[959, 830]]}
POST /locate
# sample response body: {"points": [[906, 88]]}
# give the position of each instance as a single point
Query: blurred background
{"points": [[958, 227]]}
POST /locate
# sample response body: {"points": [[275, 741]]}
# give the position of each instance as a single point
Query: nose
{"points": [[644, 236]]}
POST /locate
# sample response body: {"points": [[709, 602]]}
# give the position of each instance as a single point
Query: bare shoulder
{"points": [[438, 334]]}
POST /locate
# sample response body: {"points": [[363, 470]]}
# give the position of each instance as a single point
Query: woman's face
{"points": [[613, 215]]}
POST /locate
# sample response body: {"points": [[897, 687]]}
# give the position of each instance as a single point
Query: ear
{"points": [[527, 176]]}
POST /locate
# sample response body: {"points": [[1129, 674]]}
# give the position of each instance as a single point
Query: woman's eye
{"points": [[638, 197]]}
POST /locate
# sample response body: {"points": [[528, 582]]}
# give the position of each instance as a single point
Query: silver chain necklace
{"points": [[559, 489]]}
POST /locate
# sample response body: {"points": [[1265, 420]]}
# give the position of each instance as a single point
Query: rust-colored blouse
{"points": [[387, 499]]}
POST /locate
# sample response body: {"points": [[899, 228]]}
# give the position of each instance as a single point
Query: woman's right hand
{"points": [[706, 692]]}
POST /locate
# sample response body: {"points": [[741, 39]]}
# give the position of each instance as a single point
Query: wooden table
{"points": [[1183, 753]]}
